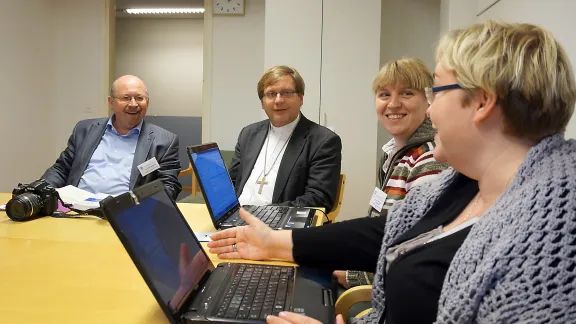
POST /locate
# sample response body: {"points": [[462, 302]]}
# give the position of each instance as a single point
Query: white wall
{"points": [[417, 39], [81, 74], [299, 46], [459, 13], [167, 55], [350, 60], [237, 47], [555, 15], [26, 89], [55, 75], [483, 5]]}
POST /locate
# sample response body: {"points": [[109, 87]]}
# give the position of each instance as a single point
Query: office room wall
{"points": [[459, 13], [167, 54], [56, 76], [237, 62], [555, 15], [27, 90], [304, 52], [483, 5], [81, 74], [350, 60], [409, 28]]}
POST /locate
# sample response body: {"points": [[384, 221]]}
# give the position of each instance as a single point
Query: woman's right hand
{"points": [[255, 241]]}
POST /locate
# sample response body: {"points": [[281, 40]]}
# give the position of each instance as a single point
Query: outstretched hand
{"points": [[252, 241]]}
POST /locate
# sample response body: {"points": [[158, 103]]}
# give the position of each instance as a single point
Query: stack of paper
{"points": [[81, 199]]}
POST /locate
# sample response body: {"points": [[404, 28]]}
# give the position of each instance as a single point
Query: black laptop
{"points": [[184, 282], [221, 199]]}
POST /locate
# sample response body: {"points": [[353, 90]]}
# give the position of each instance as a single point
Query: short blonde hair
{"points": [[523, 65], [408, 71], [275, 73]]}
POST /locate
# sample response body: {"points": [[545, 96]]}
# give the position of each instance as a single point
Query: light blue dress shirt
{"points": [[110, 167]]}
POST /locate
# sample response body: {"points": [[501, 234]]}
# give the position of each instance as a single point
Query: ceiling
{"points": [[123, 4]]}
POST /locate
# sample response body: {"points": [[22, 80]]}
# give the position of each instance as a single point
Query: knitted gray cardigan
{"points": [[518, 263]]}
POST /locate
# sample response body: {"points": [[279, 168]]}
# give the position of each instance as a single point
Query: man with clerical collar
{"points": [[103, 154], [286, 159]]}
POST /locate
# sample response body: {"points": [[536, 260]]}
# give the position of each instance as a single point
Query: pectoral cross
{"points": [[262, 182]]}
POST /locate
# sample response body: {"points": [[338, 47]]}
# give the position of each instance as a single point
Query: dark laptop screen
{"points": [[215, 181], [161, 241]]}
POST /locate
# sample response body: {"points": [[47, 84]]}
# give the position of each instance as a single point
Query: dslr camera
{"points": [[33, 200]]}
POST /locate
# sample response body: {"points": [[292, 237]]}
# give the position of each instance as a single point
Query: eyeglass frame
{"points": [[283, 94], [433, 90], [130, 98]]}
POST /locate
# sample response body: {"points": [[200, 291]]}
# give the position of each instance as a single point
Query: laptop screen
{"points": [[212, 174], [163, 243]]}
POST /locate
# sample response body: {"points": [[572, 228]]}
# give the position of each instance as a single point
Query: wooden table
{"points": [[59, 270]]}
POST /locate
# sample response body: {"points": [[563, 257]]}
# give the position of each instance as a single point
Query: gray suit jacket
{"points": [[309, 172], [153, 141]]}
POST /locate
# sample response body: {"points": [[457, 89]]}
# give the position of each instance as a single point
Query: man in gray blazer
{"points": [[103, 154], [286, 159]]}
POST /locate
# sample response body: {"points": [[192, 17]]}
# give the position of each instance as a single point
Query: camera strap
{"points": [[96, 212]]}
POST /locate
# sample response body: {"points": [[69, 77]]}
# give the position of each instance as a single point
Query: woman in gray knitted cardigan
{"points": [[494, 240]]}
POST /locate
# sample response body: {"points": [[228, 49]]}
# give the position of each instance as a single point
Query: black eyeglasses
{"points": [[431, 92]]}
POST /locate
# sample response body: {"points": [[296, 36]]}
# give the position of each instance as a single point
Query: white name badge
{"points": [[148, 166], [378, 199]]}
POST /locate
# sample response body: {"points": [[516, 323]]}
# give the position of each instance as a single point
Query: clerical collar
{"points": [[286, 129]]}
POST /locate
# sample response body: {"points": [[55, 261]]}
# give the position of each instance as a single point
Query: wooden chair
{"points": [[338, 203], [194, 187], [351, 297]]}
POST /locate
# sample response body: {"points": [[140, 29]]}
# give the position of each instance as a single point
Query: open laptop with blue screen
{"points": [[221, 199], [186, 285]]}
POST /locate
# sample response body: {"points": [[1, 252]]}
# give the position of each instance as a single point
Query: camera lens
{"points": [[24, 206]]}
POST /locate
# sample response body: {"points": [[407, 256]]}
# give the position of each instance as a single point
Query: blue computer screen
{"points": [[170, 258], [218, 189]]}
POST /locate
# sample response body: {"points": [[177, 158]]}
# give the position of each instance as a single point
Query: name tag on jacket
{"points": [[148, 167]]}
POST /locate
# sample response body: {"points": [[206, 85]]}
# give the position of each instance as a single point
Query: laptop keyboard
{"points": [[271, 215], [257, 291]]}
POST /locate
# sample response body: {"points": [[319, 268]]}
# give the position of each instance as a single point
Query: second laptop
{"points": [[221, 200]]}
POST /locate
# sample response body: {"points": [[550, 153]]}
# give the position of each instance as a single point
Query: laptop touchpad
{"points": [[298, 223], [298, 220]]}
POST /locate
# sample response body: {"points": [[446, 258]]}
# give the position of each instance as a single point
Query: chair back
{"points": [[338, 203]]}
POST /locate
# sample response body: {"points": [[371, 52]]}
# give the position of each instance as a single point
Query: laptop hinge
{"points": [[134, 198], [188, 303], [229, 213]]}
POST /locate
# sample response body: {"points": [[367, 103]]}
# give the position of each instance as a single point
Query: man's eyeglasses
{"points": [[431, 92], [271, 95], [127, 99]]}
